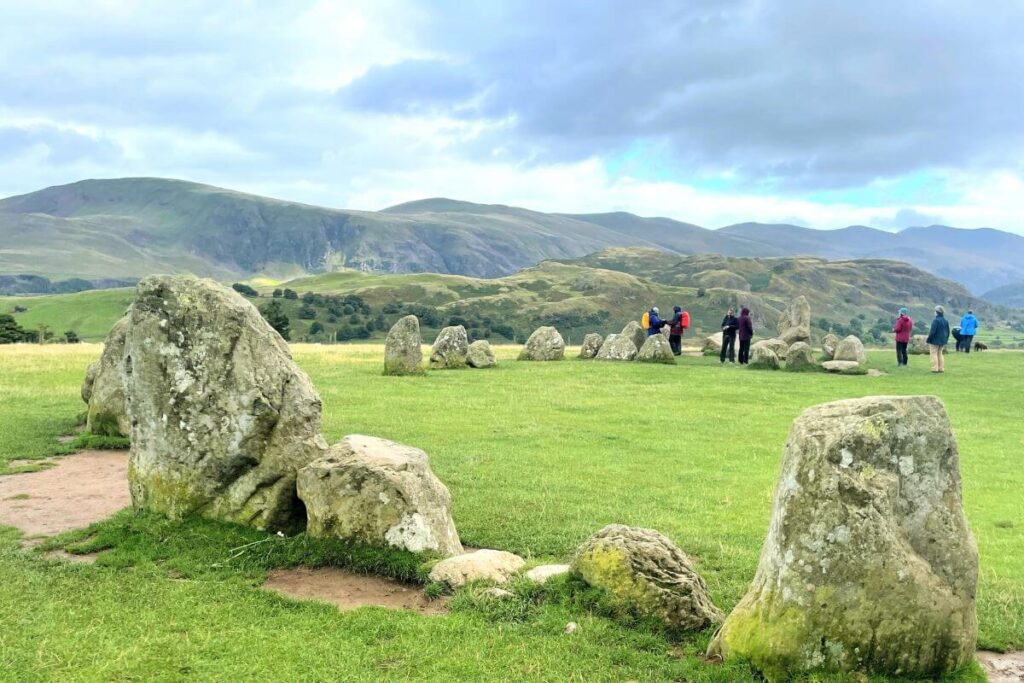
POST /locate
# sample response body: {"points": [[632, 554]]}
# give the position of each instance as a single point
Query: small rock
{"points": [[872, 372], [851, 348], [799, 356], [840, 365], [496, 566], [591, 345], [828, 345], [480, 355], [546, 571], [763, 358], [571, 628], [497, 593], [778, 347], [712, 344]]}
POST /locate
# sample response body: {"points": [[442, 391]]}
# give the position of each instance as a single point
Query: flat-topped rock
{"points": [[494, 566]]}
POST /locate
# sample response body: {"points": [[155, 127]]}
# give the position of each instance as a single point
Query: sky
{"points": [[823, 114]]}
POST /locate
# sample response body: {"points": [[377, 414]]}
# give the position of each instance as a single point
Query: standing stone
{"points": [[480, 355], [635, 332], [222, 418], [800, 356], [918, 345], [380, 493], [851, 348], [402, 349], [828, 345], [712, 345], [544, 344], [450, 348], [778, 347], [645, 573], [656, 350], [103, 390], [617, 347], [591, 345], [869, 564], [795, 322], [763, 358]]}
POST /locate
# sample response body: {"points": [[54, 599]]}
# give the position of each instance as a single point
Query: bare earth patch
{"points": [[1002, 667], [349, 590], [80, 489]]}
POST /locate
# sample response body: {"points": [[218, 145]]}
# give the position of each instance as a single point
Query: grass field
{"points": [[537, 456]]}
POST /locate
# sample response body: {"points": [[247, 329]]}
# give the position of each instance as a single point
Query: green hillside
{"points": [[1007, 295]]}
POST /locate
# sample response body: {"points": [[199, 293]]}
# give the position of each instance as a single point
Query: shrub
{"points": [[290, 294], [274, 314], [245, 290]]}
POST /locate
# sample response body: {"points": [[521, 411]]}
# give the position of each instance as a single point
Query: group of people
{"points": [[732, 327], [938, 336], [677, 326]]}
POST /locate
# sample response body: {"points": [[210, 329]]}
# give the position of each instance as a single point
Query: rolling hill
{"points": [[1007, 295], [130, 227]]}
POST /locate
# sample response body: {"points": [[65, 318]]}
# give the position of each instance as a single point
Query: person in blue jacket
{"points": [[938, 337], [968, 328], [654, 322]]}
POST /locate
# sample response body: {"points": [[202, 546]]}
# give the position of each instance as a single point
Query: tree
{"points": [[316, 328], [274, 314], [245, 290], [290, 294], [10, 331], [277, 293], [71, 337], [307, 312]]}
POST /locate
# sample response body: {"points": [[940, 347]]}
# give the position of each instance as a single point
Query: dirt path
{"points": [[350, 591], [1002, 667], [81, 489]]}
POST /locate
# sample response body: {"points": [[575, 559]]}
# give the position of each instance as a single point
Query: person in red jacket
{"points": [[746, 333], [903, 328]]}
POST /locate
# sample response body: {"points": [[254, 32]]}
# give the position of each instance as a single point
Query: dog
{"points": [[978, 346]]}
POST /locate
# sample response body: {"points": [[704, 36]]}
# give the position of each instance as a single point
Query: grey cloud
{"points": [[62, 146], [411, 87]]}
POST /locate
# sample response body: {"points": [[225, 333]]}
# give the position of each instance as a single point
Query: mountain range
{"points": [[103, 230]]}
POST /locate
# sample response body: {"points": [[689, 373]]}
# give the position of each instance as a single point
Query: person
{"points": [[729, 327], [675, 331], [654, 322], [968, 328], [903, 328], [959, 339], [746, 333], [938, 337]]}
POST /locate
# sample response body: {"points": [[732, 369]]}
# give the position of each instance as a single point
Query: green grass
{"points": [[91, 313], [537, 456]]}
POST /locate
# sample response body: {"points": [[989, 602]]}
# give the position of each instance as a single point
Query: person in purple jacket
{"points": [[745, 333]]}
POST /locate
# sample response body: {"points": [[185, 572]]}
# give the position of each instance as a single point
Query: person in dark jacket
{"points": [[938, 337], [958, 337], [654, 322], [675, 331], [729, 327], [746, 333], [903, 328]]}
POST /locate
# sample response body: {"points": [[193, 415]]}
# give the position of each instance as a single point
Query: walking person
{"points": [[677, 326], [746, 333], [729, 327], [968, 328], [938, 337], [903, 328]]}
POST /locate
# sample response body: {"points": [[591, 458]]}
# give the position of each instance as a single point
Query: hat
{"points": [[940, 309], [904, 311], [655, 309]]}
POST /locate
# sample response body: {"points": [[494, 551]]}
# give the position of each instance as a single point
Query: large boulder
{"points": [[617, 347], [656, 350], [492, 566], [712, 345], [634, 331], [777, 346], [480, 355], [450, 348], [544, 344], [795, 323], [591, 345], [103, 388], [828, 345], [381, 493], [763, 358], [222, 418], [800, 356], [851, 348], [918, 345], [869, 564], [644, 573], [403, 354]]}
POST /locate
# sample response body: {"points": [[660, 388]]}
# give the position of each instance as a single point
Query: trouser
{"points": [[728, 348], [966, 340], [938, 357], [676, 342], [901, 353], [744, 351]]}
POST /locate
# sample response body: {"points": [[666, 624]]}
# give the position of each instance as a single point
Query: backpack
{"points": [[645, 321], [684, 320]]}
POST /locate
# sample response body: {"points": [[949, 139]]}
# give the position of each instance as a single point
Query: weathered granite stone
{"points": [[763, 358], [617, 347], [840, 365], [494, 566], [480, 355], [450, 348], [103, 387], [403, 354], [656, 350], [635, 332], [591, 345], [544, 344], [795, 323], [828, 345], [851, 348], [800, 356]]}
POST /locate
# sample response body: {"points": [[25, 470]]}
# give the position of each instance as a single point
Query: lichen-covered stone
{"points": [[828, 345], [544, 344], [222, 418], [851, 348], [918, 345], [494, 566], [381, 493], [403, 354], [635, 332], [450, 348], [777, 346], [869, 564], [763, 358], [800, 356], [591, 345], [712, 345], [617, 347], [480, 355], [795, 323], [103, 387], [656, 350], [646, 574]]}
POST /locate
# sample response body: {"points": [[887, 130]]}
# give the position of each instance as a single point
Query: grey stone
{"points": [[103, 387], [712, 344], [777, 346], [656, 350], [450, 348], [799, 356], [544, 572], [918, 345], [480, 355], [795, 323], [763, 358], [378, 492], [544, 344], [403, 354], [840, 365], [635, 332], [591, 345], [851, 348], [828, 345], [617, 347], [869, 564], [494, 566]]}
